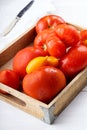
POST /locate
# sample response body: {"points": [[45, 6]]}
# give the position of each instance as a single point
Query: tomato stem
{"points": [[44, 47]]}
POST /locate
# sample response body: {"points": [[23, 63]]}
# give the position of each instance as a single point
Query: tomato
{"points": [[23, 57], [49, 21], [55, 41], [40, 40], [68, 34], [83, 35], [40, 61], [55, 46], [50, 43], [10, 78], [44, 84], [74, 61]]}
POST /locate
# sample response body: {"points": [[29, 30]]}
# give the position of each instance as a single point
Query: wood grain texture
{"points": [[21, 42]]}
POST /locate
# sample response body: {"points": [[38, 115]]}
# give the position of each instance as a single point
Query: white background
{"points": [[74, 117]]}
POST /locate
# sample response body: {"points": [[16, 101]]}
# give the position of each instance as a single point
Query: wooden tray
{"points": [[45, 112]]}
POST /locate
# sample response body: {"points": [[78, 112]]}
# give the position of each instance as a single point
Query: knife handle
{"points": [[10, 26], [20, 14]]}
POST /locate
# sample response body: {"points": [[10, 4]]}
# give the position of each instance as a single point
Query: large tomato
{"points": [[40, 40], [55, 46], [83, 35], [10, 78], [68, 34], [50, 43], [44, 84], [74, 61], [23, 57], [49, 21]]}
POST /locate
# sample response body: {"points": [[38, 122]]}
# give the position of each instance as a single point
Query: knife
{"points": [[19, 15]]}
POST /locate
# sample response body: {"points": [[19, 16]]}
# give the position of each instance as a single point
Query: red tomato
{"points": [[55, 46], [10, 78], [23, 57], [40, 39], [83, 35], [44, 84], [50, 43], [74, 61], [68, 34], [49, 21]]}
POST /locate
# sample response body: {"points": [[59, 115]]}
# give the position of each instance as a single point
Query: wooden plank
{"points": [[69, 92], [22, 101], [16, 45]]}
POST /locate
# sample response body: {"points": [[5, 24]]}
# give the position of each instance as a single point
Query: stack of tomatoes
{"points": [[56, 43], [64, 41]]}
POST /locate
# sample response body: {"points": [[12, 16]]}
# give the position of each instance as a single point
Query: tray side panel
{"points": [[22, 101], [70, 92], [16, 45]]}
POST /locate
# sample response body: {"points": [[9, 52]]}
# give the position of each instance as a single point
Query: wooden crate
{"points": [[45, 112]]}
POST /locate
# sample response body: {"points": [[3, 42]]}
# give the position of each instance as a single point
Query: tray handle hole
{"points": [[13, 100]]}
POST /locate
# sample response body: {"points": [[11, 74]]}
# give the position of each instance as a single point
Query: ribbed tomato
{"points": [[68, 34], [48, 21]]}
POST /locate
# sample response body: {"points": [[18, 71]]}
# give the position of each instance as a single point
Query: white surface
{"points": [[74, 117]]}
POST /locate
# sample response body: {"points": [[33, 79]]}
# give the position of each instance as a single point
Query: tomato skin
{"points": [[10, 78], [68, 34], [83, 35], [23, 57], [40, 39], [74, 61], [50, 43], [55, 46], [44, 83], [49, 21], [55, 41]]}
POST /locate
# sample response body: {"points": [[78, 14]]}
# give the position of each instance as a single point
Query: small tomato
{"points": [[10, 78], [40, 61]]}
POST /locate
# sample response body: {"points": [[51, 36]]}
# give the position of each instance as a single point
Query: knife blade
{"points": [[17, 18]]}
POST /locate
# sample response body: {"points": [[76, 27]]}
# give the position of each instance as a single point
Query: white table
{"points": [[74, 117]]}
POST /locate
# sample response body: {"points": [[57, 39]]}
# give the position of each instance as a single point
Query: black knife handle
{"points": [[20, 14]]}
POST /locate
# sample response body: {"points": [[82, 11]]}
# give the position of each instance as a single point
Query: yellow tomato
{"points": [[52, 61], [40, 61]]}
